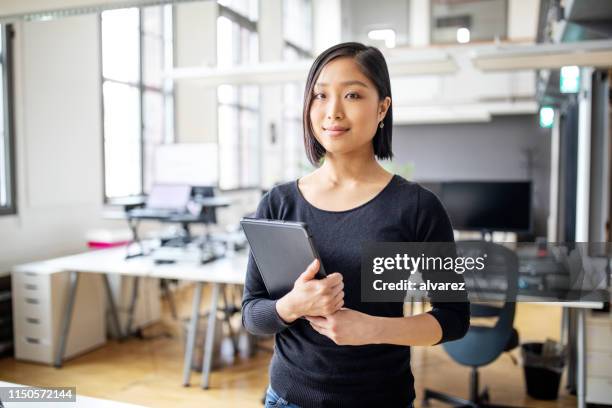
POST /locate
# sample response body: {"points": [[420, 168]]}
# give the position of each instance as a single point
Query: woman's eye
{"points": [[352, 95], [319, 96]]}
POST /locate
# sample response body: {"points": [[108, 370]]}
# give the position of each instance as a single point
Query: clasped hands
{"points": [[321, 302]]}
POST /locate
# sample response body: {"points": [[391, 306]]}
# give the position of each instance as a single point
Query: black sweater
{"points": [[307, 368]]}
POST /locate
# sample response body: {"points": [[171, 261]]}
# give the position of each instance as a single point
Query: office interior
{"points": [[136, 134]]}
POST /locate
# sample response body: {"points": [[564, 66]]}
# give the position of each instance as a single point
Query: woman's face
{"points": [[345, 109]]}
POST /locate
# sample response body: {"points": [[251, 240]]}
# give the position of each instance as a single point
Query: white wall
{"points": [[58, 140]]}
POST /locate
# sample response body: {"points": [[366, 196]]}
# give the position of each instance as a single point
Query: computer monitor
{"points": [[488, 206], [169, 197]]}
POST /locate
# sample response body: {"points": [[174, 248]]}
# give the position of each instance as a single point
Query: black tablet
{"points": [[282, 251]]}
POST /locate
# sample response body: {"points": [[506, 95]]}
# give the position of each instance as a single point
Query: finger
{"points": [[310, 271], [334, 279], [334, 290], [338, 296], [339, 305]]}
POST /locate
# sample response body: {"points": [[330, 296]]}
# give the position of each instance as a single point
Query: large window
{"points": [[238, 106], [138, 100], [7, 147]]}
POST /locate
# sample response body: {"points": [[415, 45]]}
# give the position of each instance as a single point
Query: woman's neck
{"points": [[340, 169]]}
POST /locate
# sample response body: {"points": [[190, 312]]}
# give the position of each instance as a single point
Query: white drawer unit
{"points": [[599, 358], [39, 303]]}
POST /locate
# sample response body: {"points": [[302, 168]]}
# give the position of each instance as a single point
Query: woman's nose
{"points": [[334, 110]]}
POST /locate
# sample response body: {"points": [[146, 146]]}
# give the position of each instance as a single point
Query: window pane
{"points": [[153, 63], [155, 41], [3, 172], [249, 149], [2, 99], [169, 118], [249, 45], [152, 20], [294, 155], [248, 8], [121, 139], [227, 94], [297, 22], [153, 117], [4, 161], [225, 45], [120, 50], [168, 39], [229, 159], [153, 132], [249, 96]]}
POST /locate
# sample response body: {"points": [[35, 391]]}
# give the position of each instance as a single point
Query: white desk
{"points": [[228, 270]]}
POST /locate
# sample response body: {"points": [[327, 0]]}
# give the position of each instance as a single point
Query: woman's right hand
{"points": [[312, 297]]}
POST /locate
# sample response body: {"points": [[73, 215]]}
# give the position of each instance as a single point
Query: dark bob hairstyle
{"points": [[372, 64]]}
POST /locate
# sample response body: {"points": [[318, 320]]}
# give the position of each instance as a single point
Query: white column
{"points": [[584, 155], [553, 214], [419, 23]]}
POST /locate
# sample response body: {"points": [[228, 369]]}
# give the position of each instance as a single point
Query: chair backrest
{"points": [[199, 192], [482, 345]]}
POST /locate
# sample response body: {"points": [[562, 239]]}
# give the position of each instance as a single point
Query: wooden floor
{"points": [[148, 372]]}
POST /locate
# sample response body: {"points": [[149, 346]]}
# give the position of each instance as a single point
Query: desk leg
{"points": [[74, 280], [581, 363], [227, 314], [128, 328], [210, 336], [113, 307], [192, 331]]}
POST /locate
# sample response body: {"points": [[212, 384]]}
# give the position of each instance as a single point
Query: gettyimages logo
{"points": [[424, 263]]}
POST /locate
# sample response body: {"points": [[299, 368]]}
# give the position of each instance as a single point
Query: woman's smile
{"points": [[335, 130]]}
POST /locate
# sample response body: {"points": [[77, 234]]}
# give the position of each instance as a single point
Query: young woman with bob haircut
{"points": [[348, 353]]}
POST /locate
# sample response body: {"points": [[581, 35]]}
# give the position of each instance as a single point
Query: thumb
{"points": [[310, 272]]}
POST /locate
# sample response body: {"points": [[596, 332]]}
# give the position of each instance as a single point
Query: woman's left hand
{"points": [[346, 327]]}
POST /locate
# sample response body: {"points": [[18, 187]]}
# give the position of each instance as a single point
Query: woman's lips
{"points": [[334, 131]]}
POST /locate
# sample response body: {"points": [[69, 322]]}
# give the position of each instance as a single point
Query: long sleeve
{"points": [[433, 225], [259, 315]]}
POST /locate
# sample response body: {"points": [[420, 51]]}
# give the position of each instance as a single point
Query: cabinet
{"points": [[39, 302]]}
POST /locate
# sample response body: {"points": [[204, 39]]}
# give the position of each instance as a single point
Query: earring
{"points": [[381, 125]]}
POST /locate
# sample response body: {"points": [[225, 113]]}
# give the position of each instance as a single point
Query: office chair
{"points": [[199, 192], [482, 345]]}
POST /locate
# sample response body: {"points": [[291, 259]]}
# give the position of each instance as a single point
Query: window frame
{"points": [[142, 89], [6, 60]]}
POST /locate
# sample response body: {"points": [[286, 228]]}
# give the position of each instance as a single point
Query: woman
{"points": [[347, 352]]}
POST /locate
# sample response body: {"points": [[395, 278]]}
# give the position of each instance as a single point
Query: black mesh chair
{"points": [[483, 344]]}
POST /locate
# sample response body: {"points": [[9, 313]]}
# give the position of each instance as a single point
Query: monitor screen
{"points": [[484, 205], [169, 196]]}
